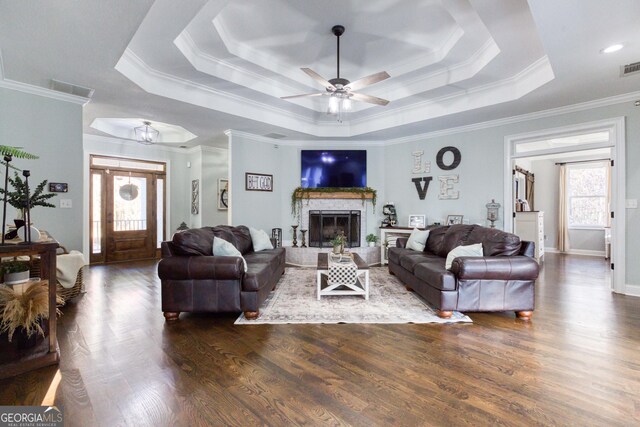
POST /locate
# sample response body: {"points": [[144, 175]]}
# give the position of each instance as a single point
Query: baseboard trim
{"points": [[632, 290], [584, 252]]}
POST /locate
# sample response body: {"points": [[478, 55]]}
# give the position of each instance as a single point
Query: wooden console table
{"points": [[46, 352]]}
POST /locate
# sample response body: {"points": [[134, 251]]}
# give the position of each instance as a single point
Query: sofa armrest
{"points": [[401, 242], [495, 268], [201, 268]]}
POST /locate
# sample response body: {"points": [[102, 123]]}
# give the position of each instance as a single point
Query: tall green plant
{"points": [[18, 196]]}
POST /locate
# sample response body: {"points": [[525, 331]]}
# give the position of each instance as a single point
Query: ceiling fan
{"points": [[341, 89]]}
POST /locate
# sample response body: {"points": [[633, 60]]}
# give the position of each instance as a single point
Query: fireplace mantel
{"points": [[366, 193], [311, 194]]}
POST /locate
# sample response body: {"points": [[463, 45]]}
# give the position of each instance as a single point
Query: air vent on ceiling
{"points": [[627, 70], [71, 89], [275, 135]]}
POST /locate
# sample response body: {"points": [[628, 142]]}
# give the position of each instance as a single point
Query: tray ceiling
{"points": [[241, 56]]}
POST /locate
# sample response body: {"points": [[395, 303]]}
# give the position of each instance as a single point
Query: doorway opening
{"points": [[576, 177], [127, 209]]}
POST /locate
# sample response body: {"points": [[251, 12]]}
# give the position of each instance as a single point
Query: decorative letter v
{"points": [[422, 191]]}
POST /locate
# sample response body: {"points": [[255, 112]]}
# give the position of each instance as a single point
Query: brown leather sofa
{"points": [[502, 280], [194, 280]]}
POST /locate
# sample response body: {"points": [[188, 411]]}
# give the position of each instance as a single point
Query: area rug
{"points": [[295, 301]]}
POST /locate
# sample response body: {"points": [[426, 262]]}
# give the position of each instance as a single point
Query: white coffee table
{"points": [[349, 278]]}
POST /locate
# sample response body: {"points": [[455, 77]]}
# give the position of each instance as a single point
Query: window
{"points": [[588, 188]]}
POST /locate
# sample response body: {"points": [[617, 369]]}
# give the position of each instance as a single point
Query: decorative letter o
{"points": [[456, 158]]}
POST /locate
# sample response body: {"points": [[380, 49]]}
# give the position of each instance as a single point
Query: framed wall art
{"points": [[417, 221], [454, 219], [223, 194], [258, 182], [58, 187], [195, 197]]}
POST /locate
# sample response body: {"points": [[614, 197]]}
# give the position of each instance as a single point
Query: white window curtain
{"points": [[563, 211]]}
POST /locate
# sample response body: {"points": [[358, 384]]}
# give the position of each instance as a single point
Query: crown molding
{"points": [[304, 142], [37, 90], [205, 149], [588, 105], [87, 137], [162, 84], [395, 90]]}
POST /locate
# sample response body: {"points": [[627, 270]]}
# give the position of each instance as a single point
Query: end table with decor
{"points": [[42, 351]]}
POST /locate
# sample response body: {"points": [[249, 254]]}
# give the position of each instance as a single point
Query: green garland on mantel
{"points": [[299, 194]]}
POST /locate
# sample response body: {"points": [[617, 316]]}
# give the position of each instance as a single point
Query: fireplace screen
{"points": [[325, 225]]}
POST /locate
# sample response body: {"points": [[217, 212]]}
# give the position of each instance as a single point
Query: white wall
{"points": [[480, 177], [51, 129]]}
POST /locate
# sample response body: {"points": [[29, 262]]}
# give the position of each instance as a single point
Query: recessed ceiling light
{"points": [[612, 48]]}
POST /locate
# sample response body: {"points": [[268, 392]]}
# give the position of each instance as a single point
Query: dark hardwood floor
{"points": [[576, 363]]}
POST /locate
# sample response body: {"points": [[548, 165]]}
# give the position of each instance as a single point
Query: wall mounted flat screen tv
{"points": [[333, 168]]}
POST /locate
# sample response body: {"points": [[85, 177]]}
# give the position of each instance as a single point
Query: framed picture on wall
{"points": [[195, 197], [223, 194], [454, 219], [258, 182], [417, 221]]}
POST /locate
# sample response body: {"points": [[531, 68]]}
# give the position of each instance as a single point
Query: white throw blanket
{"points": [[68, 266]]}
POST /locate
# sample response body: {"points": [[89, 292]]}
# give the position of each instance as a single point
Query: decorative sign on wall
{"points": [[446, 181], [446, 187], [258, 182], [195, 196]]}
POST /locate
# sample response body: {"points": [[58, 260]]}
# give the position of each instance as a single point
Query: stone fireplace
{"points": [[324, 225], [336, 205]]}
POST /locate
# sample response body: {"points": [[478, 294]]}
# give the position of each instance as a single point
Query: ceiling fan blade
{"points": [[369, 80], [303, 95], [368, 98], [317, 77]]}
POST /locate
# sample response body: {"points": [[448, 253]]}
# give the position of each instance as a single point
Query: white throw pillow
{"points": [[260, 240], [223, 248], [470, 250], [417, 240]]}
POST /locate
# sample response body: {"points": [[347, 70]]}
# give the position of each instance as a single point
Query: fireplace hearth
{"points": [[326, 224]]}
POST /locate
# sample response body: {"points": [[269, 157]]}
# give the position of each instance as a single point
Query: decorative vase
{"points": [[336, 249], [372, 244]]}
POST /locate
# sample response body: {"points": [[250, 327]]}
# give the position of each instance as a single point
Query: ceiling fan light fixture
{"points": [[341, 90], [145, 134]]}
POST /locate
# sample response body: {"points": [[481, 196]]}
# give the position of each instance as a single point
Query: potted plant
{"points": [[338, 243], [372, 239], [18, 196], [15, 272]]}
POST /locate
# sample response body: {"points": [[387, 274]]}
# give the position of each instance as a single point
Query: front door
{"points": [[131, 228], [127, 209]]}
